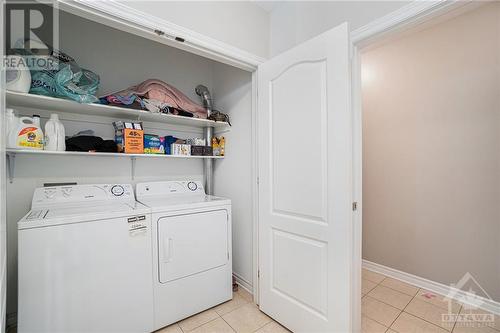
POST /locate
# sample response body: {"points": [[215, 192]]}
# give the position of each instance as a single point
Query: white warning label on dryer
{"points": [[137, 225]]}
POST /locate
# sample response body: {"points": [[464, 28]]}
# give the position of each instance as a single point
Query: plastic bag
{"points": [[64, 79]]}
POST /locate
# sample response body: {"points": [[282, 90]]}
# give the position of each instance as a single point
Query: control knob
{"points": [[192, 186], [117, 190]]}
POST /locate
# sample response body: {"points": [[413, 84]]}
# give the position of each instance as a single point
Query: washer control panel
{"points": [[82, 193], [170, 188]]}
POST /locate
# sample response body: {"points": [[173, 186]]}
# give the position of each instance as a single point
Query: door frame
{"points": [[3, 192]]}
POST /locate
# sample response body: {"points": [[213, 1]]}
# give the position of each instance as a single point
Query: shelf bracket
{"points": [[11, 163], [133, 161], [208, 167]]}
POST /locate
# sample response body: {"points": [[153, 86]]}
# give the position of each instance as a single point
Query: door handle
{"points": [[167, 249]]}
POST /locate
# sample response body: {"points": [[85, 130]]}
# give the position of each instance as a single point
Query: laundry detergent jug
{"points": [[55, 139], [27, 134]]}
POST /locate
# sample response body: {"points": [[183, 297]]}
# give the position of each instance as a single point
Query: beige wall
{"points": [[431, 172]]}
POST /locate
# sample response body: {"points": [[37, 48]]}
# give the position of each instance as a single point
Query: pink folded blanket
{"points": [[165, 93]]}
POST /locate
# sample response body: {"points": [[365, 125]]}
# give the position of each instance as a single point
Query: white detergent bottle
{"points": [[55, 139], [26, 134], [11, 124]]}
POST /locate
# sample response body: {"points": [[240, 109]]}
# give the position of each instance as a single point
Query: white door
{"points": [[305, 208]]}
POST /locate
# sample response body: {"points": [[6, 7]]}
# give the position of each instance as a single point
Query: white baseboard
{"points": [[243, 283], [439, 288]]}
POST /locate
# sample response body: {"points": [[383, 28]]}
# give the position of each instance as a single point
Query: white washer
{"points": [[85, 261], [192, 259]]}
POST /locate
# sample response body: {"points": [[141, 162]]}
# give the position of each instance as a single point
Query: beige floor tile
{"points": [[378, 311], [231, 305], [391, 331], [479, 316], [437, 300], [463, 328], [215, 326], [367, 286], [246, 319], [272, 327], [400, 286], [390, 296], [245, 294], [406, 323], [371, 326], [197, 320], [431, 313], [170, 329], [372, 276]]}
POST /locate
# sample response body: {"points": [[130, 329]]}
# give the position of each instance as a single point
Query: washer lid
{"points": [[168, 203], [68, 214]]}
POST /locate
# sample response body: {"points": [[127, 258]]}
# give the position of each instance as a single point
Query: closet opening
{"points": [[121, 60], [431, 172]]}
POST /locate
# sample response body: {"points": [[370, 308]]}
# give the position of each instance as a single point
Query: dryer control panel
{"points": [[170, 188], [74, 194]]}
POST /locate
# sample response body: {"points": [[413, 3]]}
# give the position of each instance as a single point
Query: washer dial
{"points": [[192, 186], [117, 190]]}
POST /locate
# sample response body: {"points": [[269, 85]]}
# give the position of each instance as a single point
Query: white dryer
{"points": [[192, 257], [85, 262]]}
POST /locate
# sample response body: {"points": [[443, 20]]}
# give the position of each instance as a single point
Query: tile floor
{"points": [[239, 315], [392, 306], [387, 306]]}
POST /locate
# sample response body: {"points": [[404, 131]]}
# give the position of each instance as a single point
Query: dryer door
{"points": [[192, 243]]}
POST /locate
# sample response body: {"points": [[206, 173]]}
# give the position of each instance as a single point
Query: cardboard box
{"points": [[134, 141], [129, 137], [153, 144], [181, 149], [201, 150]]}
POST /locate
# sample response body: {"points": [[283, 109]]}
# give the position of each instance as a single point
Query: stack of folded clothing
{"points": [[155, 96]]}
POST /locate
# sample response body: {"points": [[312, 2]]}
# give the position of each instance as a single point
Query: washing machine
{"points": [[85, 261], [192, 260]]}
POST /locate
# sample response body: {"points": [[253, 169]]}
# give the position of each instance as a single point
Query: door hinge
{"points": [[159, 32], [258, 180], [258, 273], [354, 206]]}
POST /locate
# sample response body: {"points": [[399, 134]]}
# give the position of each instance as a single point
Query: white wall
{"points": [[293, 22], [239, 23], [233, 94], [431, 151]]}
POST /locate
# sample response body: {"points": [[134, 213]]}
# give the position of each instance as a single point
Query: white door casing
{"points": [[305, 185]]}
